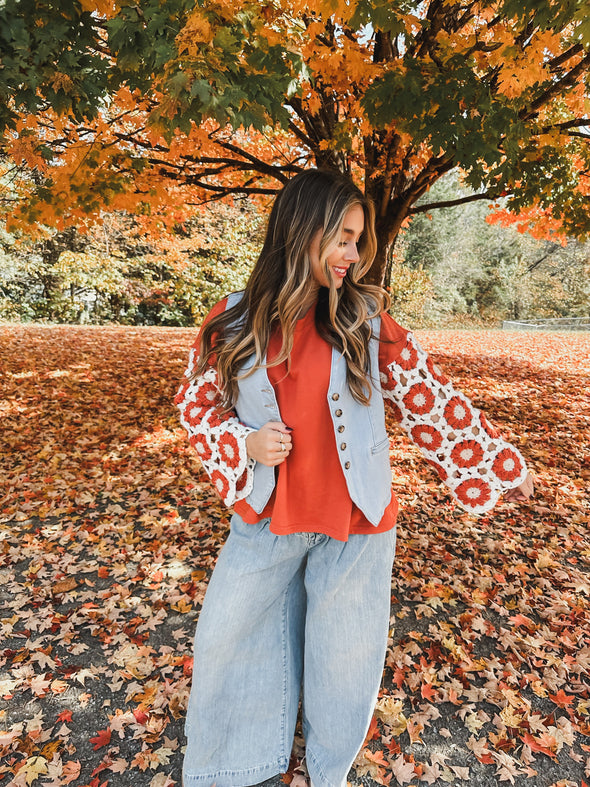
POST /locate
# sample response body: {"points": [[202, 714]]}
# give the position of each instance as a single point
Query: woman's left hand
{"points": [[523, 492]]}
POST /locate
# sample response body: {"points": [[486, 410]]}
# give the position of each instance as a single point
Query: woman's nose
{"points": [[352, 253]]}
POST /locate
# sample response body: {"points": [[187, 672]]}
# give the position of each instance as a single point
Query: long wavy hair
{"points": [[281, 281]]}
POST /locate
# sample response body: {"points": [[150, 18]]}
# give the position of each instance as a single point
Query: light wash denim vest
{"points": [[359, 430]]}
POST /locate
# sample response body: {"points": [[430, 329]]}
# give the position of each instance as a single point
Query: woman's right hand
{"points": [[523, 492], [271, 444]]}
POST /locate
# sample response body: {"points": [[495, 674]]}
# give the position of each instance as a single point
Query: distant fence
{"points": [[549, 324]]}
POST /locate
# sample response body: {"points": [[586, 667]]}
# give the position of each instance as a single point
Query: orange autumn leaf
{"points": [[427, 691], [562, 699], [65, 585], [102, 738]]}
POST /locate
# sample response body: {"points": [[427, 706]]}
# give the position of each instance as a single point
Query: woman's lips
{"points": [[340, 271]]}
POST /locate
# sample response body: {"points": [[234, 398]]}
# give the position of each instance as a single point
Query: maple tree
{"points": [[156, 106], [109, 530]]}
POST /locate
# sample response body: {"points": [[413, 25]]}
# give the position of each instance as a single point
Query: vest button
{"points": [[342, 446], [338, 413], [335, 396], [341, 428], [346, 465]]}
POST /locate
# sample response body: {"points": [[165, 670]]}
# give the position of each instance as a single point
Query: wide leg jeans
{"points": [[282, 613]]}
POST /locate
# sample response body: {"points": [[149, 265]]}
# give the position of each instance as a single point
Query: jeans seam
{"points": [[280, 764], [284, 661], [310, 756]]}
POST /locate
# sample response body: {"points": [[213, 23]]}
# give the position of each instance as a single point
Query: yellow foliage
{"points": [[107, 8], [197, 30], [33, 768], [23, 149], [523, 68], [62, 82]]}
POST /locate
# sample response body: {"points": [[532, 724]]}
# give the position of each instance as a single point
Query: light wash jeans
{"points": [[281, 612]]}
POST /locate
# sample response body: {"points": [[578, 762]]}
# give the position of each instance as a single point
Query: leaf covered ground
{"points": [[109, 531]]}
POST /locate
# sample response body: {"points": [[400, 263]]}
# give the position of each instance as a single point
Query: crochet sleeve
{"points": [[219, 439], [474, 462]]}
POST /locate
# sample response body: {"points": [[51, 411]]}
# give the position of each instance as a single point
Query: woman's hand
{"points": [[522, 492], [271, 444]]}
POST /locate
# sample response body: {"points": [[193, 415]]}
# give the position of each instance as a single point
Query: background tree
{"points": [[479, 269], [450, 267], [112, 273], [160, 105]]}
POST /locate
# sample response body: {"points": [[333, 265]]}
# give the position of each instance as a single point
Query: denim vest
{"points": [[359, 430]]}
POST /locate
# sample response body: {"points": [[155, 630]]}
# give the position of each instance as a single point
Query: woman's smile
{"points": [[340, 271]]}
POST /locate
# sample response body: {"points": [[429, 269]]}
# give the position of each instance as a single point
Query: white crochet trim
{"points": [[397, 385], [220, 440]]}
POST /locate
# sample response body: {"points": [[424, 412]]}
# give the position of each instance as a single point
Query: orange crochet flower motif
{"points": [[458, 413], [408, 356], [507, 466], [487, 427], [181, 391], [201, 446], [427, 437], [220, 483], [467, 453], [473, 492], [229, 449], [436, 372], [439, 469], [242, 480], [214, 420], [388, 383], [207, 394], [193, 413], [419, 399]]}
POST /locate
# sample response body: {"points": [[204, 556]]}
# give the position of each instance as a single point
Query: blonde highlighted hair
{"points": [[282, 280]]}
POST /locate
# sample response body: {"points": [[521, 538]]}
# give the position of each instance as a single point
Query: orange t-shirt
{"points": [[310, 493]]}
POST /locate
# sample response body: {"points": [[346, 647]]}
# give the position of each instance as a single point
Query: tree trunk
{"points": [[387, 229], [50, 251]]}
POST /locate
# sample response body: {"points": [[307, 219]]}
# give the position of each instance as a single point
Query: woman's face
{"points": [[342, 254]]}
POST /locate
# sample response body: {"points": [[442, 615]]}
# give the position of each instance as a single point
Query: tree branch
{"points": [[245, 160], [259, 165], [552, 250], [226, 191], [557, 87], [567, 124], [300, 134], [448, 203], [557, 61]]}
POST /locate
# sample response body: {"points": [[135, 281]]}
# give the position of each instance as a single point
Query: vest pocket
{"points": [[380, 446]]}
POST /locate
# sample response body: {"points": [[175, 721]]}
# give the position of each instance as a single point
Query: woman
{"points": [[284, 402]]}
